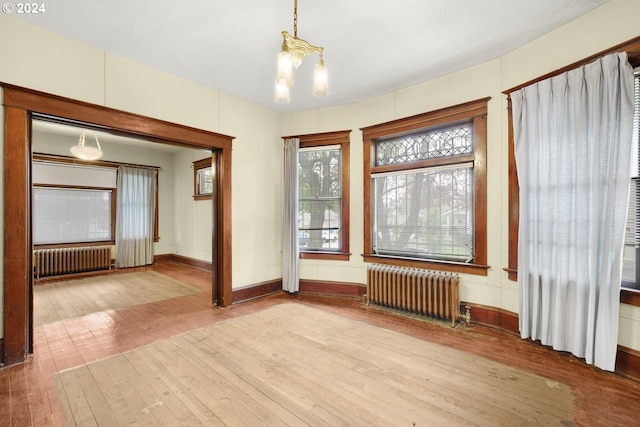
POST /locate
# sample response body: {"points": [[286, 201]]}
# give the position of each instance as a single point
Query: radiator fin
{"points": [[430, 293], [59, 261]]}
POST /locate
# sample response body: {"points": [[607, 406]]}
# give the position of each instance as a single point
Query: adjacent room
{"points": [[320, 213]]}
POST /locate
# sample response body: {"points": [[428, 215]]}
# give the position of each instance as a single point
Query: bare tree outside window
{"points": [[319, 192]]}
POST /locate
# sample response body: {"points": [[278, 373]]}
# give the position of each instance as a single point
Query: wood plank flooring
{"points": [[69, 299], [28, 394], [293, 365]]}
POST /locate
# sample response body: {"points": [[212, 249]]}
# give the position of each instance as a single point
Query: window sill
{"points": [[202, 197], [452, 266], [335, 256], [630, 296]]}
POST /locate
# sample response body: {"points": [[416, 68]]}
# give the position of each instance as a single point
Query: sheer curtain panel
{"points": [[573, 136], [290, 248], [135, 216]]}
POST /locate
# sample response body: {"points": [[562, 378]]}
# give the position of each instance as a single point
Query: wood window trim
{"points": [[341, 138], [475, 111], [197, 165], [19, 106], [632, 47], [56, 158]]}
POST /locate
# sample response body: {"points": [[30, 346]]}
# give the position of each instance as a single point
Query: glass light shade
{"points": [[85, 152], [282, 93], [285, 70], [298, 56], [320, 81]]}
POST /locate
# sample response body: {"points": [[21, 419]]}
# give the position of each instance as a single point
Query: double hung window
{"points": [[323, 195], [631, 263], [426, 189]]}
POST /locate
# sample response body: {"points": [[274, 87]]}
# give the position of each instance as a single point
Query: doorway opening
{"points": [[21, 106]]}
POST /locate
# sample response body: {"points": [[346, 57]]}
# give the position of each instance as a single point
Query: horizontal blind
{"points": [[65, 215]]}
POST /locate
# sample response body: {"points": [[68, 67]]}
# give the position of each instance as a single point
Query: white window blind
{"points": [[632, 235], [64, 215]]}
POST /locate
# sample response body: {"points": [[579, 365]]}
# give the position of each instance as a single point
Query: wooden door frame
{"points": [[19, 106]]}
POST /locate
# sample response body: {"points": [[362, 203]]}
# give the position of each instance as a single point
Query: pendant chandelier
{"points": [[85, 152], [294, 50]]}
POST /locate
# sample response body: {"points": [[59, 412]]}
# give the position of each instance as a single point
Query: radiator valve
{"points": [[467, 314]]}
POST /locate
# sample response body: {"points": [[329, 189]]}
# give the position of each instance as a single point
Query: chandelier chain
{"points": [[295, 18]]}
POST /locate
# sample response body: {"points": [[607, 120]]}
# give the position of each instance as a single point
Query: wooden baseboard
{"points": [[494, 317], [181, 259], [332, 288], [627, 359], [256, 291], [306, 286], [1, 351], [628, 362]]}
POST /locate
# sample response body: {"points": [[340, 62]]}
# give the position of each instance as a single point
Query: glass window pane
{"points": [[425, 214], [632, 235], [319, 173], [69, 215], [431, 144], [319, 192], [205, 181]]}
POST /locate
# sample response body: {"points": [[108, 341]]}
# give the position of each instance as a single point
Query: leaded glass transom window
{"points": [[429, 144]]}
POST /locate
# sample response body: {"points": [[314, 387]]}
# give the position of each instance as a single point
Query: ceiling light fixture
{"points": [[294, 50], [85, 152]]}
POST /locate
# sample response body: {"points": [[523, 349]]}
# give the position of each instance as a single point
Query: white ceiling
{"points": [[371, 47], [43, 130]]}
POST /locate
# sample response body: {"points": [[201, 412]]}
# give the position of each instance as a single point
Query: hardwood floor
{"points": [[28, 395]]}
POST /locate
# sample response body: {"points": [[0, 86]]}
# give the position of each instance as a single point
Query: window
{"points": [[632, 257], [425, 190], [72, 215], [631, 261], [202, 179], [323, 195]]}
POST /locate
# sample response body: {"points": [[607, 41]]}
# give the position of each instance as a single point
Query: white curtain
{"points": [[135, 216], [573, 136], [290, 249]]}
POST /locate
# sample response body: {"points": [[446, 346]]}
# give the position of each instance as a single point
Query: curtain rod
{"points": [[55, 158]]}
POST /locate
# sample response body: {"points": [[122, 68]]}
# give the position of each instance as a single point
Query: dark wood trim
{"points": [[632, 47], [472, 111], [407, 125], [321, 287], [1, 352], [20, 104], [197, 165], [627, 359], [341, 138], [332, 288], [80, 113], [631, 297], [74, 244], [514, 199], [258, 290], [320, 139], [628, 362], [181, 259], [17, 235], [454, 267], [334, 256], [493, 316], [57, 158]]}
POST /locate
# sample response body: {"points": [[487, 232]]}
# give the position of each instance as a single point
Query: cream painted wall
{"points": [[41, 60], [605, 27], [193, 218]]}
